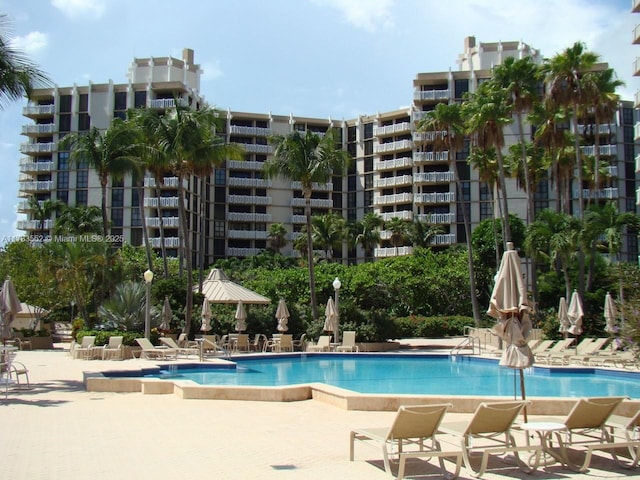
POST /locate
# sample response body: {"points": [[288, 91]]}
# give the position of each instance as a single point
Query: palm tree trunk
{"points": [[105, 219], [143, 222], [163, 248], [581, 266], [201, 237], [185, 252], [312, 278], [505, 208]]}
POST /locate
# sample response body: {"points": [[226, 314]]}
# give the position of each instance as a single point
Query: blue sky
{"points": [[316, 58]]}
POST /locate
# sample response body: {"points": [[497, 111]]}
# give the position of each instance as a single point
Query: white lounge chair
{"points": [[86, 349], [149, 351], [113, 349], [323, 345], [348, 342], [186, 351]]}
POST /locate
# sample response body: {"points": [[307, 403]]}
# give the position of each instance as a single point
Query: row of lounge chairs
{"points": [[419, 431], [588, 352]]}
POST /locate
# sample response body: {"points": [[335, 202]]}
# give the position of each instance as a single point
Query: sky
{"points": [[313, 58]]}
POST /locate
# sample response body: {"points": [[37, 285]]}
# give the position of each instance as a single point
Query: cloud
{"points": [[31, 43], [369, 15], [80, 8], [211, 70]]}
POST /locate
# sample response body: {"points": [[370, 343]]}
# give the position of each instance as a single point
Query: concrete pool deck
{"points": [[58, 430]]}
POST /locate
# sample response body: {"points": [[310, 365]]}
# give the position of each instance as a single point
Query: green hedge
{"points": [[102, 336], [431, 327]]}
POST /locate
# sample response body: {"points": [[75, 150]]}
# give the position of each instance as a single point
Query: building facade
{"points": [[395, 173]]}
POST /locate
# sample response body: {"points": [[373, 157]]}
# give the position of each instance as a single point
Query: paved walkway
{"points": [[57, 430]]}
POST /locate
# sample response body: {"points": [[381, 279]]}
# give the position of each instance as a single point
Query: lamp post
{"points": [[336, 287], [148, 278]]}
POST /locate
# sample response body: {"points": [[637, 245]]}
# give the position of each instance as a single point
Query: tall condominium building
{"points": [[396, 172]]}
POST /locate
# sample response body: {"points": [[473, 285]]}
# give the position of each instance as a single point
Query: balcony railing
{"points": [[315, 202], [612, 171], [402, 215], [253, 131], [167, 103], [298, 219], [248, 234], [31, 110], [427, 136], [393, 181], [636, 67], [392, 252], [432, 95], [28, 165], [604, 193], [433, 177], [393, 199], [37, 147], [443, 239], [249, 217], [392, 146], [169, 242], [604, 150], [402, 162], [315, 186], [249, 199], [435, 197], [636, 131], [249, 182], [34, 224], [40, 186], [39, 129], [165, 202], [243, 252], [604, 129], [392, 129], [437, 218], [168, 182], [167, 222], [244, 165], [256, 148], [430, 157], [637, 99]]}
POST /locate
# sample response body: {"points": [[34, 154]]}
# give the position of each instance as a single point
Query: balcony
{"points": [[604, 193], [636, 132], [168, 182], [392, 129], [252, 131], [35, 111], [248, 199], [612, 171], [393, 181], [249, 217], [162, 103], [430, 157], [393, 199], [315, 202], [425, 95], [243, 252], [604, 150], [27, 165], [392, 252], [248, 234], [30, 225], [249, 182], [244, 165], [167, 222], [433, 177], [39, 129], [48, 147], [636, 35], [40, 186], [402, 215], [316, 187], [169, 242], [393, 164], [256, 148], [165, 202], [434, 198], [443, 239], [636, 67], [393, 146], [635, 6], [604, 129], [638, 163], [424, 137], [437, 218]]}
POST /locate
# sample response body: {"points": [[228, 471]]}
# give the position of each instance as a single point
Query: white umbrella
{"points": [[282, 315], [241, 317], [610, 314], [575, 314], [509, 306], [9, 306], [331, 316], [206, 316], [166, 316], [563, 317]]}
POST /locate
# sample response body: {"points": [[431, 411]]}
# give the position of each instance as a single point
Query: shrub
{"points": [[102, 336], [432, 327]]}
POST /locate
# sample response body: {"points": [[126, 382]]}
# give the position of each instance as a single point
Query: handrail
{"points": [[468, 340]]}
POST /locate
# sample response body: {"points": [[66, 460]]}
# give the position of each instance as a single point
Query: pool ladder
{"points": [[461, 348]]}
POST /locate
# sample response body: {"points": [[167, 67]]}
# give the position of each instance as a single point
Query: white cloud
{"points": [[369, 15], [80, 8], [211, 70], [31, 43]]}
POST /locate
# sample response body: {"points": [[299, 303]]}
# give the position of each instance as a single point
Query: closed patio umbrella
{"points": [[510, 307], [331, 316], [206, 316], [575, 314], [241, 317], [166, 316], [610, 314], [563, 317], [282, 315], [9, 306]]}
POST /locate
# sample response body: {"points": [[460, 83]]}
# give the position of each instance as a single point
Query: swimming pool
{"points": [[408, 374]]}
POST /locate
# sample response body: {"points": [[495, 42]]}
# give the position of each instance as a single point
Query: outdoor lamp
{"points": [[148, 278], [336, 286]]}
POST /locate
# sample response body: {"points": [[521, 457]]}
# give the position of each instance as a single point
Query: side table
{"points": [[544, 430]]}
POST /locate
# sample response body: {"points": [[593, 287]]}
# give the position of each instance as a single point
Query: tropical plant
{"points": [[81, 220], [399, 230], [42, 210], [126, 308], [421, 233], [328, 232], [308, 159], [366, 233], [277, 236]]}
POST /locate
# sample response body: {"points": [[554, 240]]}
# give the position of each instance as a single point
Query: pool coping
{"points": [[335, 396]]}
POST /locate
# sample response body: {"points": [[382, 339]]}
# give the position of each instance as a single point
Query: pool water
{"points": [[412, 374]]}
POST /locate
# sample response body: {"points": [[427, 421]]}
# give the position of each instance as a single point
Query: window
{"points": [[368, 147], [218, 229], [461, 86], [368, 181], [220, 176], [627, 116], [64, 122], [140, 99], [368, 130], [63, 180], [82, 179], [117, 197], [116, 217], [368, 198], [63, 160], [63, 196], [135, 217], [65, 103], [120, 101], [84, 103], [81, 197], [84, 122]]}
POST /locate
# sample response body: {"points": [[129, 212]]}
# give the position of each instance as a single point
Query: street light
{"points": [[336, 286], [148, 278]]}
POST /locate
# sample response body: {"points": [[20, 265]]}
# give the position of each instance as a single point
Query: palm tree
{"points": [[366, 233], [399, 230], [308, 159], [328, 232], [19, 76], [111, 155], [42, 210], [277, 236], [447, 118], [81, 220], [487, 112], [422, 233]]}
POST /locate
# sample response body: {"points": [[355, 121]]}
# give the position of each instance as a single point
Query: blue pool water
{"points": [[411, 374]]}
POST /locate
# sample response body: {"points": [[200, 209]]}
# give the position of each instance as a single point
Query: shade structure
{"points": [[206, 316], [165, 316], [331, 317], [217, 288], [282, 315], [575, 314], [610, 314], [509, 306], [9, 307], [563, 317], [241, 318]]}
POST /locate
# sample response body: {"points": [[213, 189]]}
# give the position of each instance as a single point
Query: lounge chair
{"points": [[301, 343], [348, 342], [624, 359], [542, 346], [259, 343], [560, 347], [586, 430], [284, 343], [184, 341], [150, 352], [85, 350], [323, 345], [584, 354], [626, 429], [412, 426], [173, 344], [113, 349], [489, 432], [16, 369], [241, 343]]}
